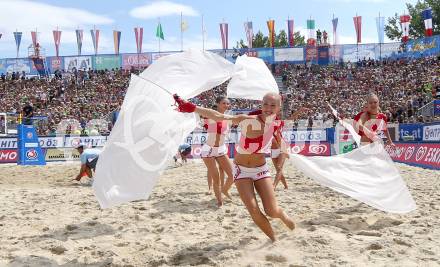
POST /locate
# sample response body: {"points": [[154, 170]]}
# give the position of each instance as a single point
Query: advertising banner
{"points": [[107, 62], [8, 155], [431, 133], [424, 47], [54, 63], [310, 149], [78, 63], [353, 53], [289, 54], [311, 54], [156, 56], [411, 131], [437, 107], [387, 50], [419, 154], [17, 65], [93, 141], [266, 54], [292, 136], [61, 154], [323, 55], [135, 61]]}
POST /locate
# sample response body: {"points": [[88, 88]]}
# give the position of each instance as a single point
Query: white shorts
{"points": [[213, 152], [275, 153], [255, 174]]}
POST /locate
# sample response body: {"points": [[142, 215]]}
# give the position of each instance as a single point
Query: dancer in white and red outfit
{"points": [[215, 151], [250, 167], [370, 121]]}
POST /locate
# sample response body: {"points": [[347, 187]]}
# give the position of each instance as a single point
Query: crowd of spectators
{"points": [[80, 95], [403, 87]]}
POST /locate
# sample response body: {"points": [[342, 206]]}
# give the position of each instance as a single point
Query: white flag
{"points": [[148, 130], [253, 79]]}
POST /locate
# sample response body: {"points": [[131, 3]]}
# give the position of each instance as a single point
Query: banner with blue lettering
{"points": [[29, 150]]}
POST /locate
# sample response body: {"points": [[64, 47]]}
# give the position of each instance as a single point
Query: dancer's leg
{"points": [[245, 188], [226, 165], [266, 192], [213, 171]]}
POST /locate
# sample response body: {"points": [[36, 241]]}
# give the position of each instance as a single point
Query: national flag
{"points": [[184, 25], [79, 39], [34, 38], [427, 18], [139, 33], [358, 27], [117, 41], [57, 41], [335, 27], [404, 23], [380, 23], [224, 35], [249, 33], [159, 32], [95, 39], [290, 32], [311, 32], [271, 28], [17, 37]]}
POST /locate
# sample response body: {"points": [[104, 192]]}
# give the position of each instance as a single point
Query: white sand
{"points": [[47, 220]]}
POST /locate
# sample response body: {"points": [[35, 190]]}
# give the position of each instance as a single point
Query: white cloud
{"points": [[162, 9], [26, 16]]}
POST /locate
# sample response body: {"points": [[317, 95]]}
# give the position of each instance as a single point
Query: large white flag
{"points": [[148, 130], [190, 73], [252, 80]]}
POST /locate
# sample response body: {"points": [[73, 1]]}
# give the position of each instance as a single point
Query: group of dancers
{"points": [[261, 134]]}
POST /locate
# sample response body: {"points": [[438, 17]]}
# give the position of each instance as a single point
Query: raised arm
{"points": [[187, 107]]}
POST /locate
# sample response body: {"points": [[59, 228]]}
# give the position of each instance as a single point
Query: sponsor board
{"points": [[419, 154], [78, 63], [135, 61], [305, 136], [289, 54], [93, 141], [61, 154], [311, 149], [8, 155], [45, 142], [411, 130], [431, 132]]}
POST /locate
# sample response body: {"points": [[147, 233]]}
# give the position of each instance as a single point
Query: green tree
{"points": [[281, 39], [300, 40], [259, 40], [417, 25]]}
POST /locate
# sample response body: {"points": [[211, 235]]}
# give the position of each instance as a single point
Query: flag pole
{"points": [[181, 31], [158, 37], [357, 43], [203, 35], [380, 43]]}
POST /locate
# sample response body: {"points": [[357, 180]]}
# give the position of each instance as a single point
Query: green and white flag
{"points": [[159, 32]]}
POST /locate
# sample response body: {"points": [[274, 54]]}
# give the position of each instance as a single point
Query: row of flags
{"points": [[405, 21]]}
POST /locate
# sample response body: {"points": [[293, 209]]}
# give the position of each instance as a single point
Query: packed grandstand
{"points": [[405, 87]]}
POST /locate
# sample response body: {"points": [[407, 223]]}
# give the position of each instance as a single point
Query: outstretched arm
{"points": [[187, 107]]}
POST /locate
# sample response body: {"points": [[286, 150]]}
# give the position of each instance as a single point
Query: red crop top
{"points": [[381, 122]]}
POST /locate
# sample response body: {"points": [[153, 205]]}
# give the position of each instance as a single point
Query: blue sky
{"points": [[123, 15]]}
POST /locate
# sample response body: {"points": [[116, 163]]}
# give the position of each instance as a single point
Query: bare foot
{"points": [[219, 204], [289, 223]]}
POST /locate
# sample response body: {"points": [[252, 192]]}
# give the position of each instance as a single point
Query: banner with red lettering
{"points": [[425, 155]]}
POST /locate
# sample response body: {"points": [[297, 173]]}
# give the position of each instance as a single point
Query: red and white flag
{"points": [[404, 23], [358, 27], [57, 41], [34, 38], [224, 35], [139, 33]]}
